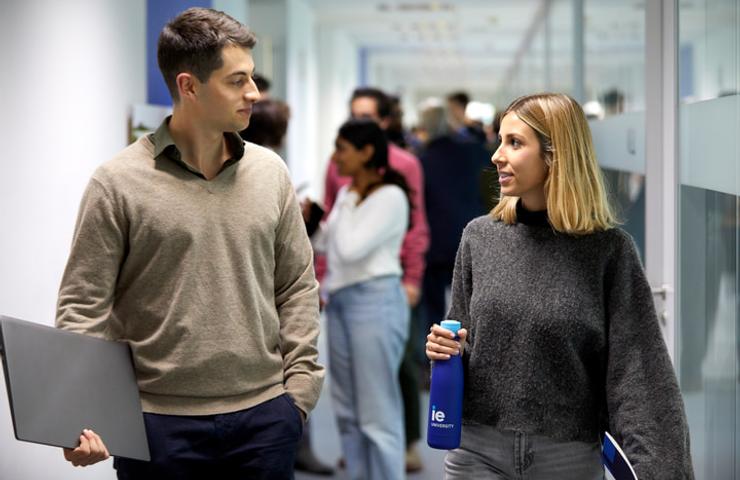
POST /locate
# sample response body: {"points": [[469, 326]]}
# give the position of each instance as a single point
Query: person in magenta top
{"points": [[367, 103], [373, 104]]}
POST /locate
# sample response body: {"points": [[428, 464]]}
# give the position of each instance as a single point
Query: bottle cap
{"points": [[451, 325]]}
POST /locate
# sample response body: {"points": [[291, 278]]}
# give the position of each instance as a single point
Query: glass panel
{"points": [[614, 44], [627, 196], [708, 327], [615, 55], [707, 49], [709, 232]]}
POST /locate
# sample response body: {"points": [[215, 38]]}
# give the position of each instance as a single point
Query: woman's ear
{"points": [[367, 152], [547, 157]]}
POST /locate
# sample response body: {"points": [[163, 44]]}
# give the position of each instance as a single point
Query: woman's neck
{"points": [[365, 180], [534, 202]]}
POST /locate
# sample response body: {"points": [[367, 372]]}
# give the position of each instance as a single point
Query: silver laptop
{"points": [[60, 382]]}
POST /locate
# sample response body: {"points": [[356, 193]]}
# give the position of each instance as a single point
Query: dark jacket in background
{"points": [[452, 173]]}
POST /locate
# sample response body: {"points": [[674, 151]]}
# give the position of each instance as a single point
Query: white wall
{"points": [[70, 72], [302, 83], [338, 73]]}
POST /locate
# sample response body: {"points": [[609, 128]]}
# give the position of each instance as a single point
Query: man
{"points": [[457, 104], [374, 104], [190, 246]]}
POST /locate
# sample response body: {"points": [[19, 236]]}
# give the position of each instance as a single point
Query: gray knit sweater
{"points": [[564, 341]]}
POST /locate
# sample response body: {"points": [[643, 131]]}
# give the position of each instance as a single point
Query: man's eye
{"points": [[238, 83]]}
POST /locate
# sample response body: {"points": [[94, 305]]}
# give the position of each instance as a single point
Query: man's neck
{"points": [[203, 149]]}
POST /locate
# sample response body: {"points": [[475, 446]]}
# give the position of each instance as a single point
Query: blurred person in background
{"points": [[367, 310], [453, 168], [613, 102], [395, 131], [263, 85], [561, 340], [374, 104], [267, 127], [457, 104], [268, 124]]}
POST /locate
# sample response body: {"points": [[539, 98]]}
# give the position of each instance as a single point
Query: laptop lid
{"points": [[60, 382]]}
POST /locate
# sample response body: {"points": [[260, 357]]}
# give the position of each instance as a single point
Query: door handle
{"points": [[662, 292]]}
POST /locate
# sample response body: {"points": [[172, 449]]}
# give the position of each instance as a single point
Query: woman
{"points": [[367, 309], [563, 342]]}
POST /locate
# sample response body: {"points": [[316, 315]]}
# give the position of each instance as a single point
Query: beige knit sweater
{"points": [[210, 282]]}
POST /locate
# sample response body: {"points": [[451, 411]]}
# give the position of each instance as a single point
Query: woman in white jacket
{"points": [[367, 311]]}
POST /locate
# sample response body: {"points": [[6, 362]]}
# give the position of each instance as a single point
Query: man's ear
{"points": [[385, 123], [187, 85]]}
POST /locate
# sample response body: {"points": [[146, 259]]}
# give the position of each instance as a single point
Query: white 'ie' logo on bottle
{"points": [[437, 415]]}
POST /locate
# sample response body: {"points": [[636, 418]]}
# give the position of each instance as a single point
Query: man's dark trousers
{"points": [[256, 443]]}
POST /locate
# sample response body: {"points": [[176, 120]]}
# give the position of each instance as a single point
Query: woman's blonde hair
{"points": [[574, 188]]}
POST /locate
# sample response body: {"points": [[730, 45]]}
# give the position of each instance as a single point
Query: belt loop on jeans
{"points": [[518, 453], [527, 452], [522, 453]]}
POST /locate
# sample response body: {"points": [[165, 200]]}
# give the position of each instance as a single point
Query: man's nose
{"points": [[252, 94]]}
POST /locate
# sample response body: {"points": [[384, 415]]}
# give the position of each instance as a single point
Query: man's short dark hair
{"points": [[192, 42], [381, 99], [460, 98]]}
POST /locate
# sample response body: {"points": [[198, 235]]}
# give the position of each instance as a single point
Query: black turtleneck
{"points": [[528, 217]]}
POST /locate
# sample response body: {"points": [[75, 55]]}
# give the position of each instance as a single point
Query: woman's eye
{"points": [[515, 142]]}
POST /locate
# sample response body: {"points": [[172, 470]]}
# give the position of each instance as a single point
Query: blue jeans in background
{"points": [[257, 443], [511, 455], [367, 327]]}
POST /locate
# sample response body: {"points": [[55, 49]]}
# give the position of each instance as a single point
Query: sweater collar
{"points": [[527, 217]]}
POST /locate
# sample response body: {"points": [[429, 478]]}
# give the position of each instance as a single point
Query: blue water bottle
{"points": [[446, 398]]}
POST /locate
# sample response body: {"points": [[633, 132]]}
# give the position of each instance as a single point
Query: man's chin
{"points": [[238, 127]]}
